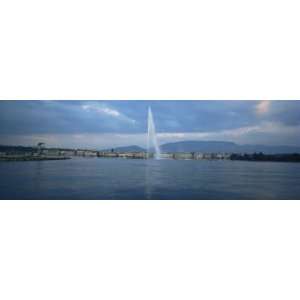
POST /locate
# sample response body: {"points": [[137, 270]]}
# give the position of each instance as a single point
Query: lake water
{"points": [[102, 178]]}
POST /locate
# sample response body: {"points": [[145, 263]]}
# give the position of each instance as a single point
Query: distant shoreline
{"points": [[257, 157], [31, 158], [295, 157]]}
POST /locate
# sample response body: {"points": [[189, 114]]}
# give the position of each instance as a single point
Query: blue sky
{"points": [[100, 124]]}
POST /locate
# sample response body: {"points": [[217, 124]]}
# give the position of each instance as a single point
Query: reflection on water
{"points": [[148, 188], [153, 176], [98, 178], [37, 180]]}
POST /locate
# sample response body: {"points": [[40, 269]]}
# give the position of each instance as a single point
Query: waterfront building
{"points": [[53, 152], [141, 155], [198, 156], [207, 156], [68, 152], [90, 153], [183, 155], [107, 154], [79, 152], [166, 155]]}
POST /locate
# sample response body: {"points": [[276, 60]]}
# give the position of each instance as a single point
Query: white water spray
{"points": [[152, 138]]}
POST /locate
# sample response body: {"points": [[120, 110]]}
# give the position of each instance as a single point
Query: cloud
{"points": [[103, 109], [263, 107], [100, 109], [109, 123], [274, 133], [231, 134], [268, 133], [85, 141]]}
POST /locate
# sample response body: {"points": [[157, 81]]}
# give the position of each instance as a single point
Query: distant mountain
{"points": [[198, 146], [220, 146], [212, 147], [132, 148]]}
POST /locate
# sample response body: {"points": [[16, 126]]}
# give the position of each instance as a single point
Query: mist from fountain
{"points": [[152, 138]]}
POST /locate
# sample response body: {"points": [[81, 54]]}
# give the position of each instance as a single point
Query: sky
{"points": [[106, 124]]}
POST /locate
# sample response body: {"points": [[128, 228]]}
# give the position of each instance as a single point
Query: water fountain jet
{"points": [[152, 138]]}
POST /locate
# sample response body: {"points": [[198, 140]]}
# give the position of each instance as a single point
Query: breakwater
{"points": [[30, 158]]}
